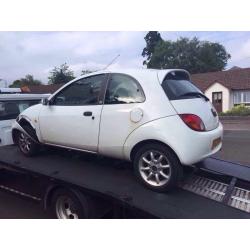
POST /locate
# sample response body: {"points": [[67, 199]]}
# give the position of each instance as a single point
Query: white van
{"points": [[10, 90], [11, 105]]}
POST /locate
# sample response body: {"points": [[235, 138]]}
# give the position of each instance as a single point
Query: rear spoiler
{"points": [[162, 74]]}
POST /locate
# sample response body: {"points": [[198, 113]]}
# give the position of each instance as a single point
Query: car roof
{"points": [[139, 73], [22, 96]]}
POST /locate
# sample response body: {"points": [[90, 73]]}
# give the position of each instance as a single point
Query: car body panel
{"points": [[72, 128], [5, 132], [200, 107], [190, 146], [116, 120]]}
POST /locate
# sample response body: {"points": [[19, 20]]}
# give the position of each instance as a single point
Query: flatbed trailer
{"points": [[107, 188]]}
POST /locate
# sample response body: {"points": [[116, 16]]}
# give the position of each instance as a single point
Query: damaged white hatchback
{"points": [[157, 119]]}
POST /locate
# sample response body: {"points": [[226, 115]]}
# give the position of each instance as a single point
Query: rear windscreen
{"points": [[177, 84]]}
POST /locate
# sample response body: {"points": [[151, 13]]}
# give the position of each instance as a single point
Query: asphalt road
{"points": [[236, 148]]}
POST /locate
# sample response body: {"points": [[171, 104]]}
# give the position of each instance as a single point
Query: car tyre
{"points": [[66, 205], [27, 146], [157, 167]]}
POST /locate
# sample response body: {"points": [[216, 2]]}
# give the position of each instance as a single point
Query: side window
{"points": [[123, 89], [11, 109], [8, 110], [85, 91]]}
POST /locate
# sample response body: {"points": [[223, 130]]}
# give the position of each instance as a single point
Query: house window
{"points": [[241, 97], [246, 97]]}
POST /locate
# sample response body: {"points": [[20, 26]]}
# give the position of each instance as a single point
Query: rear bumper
{"points": [[197, 146]]}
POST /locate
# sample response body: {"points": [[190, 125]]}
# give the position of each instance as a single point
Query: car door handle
{"points": [[87, 113]]}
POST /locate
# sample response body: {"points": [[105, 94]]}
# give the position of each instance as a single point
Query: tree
{"points": [[27, 81], [61, 74], [152, 39], [191, 54]]}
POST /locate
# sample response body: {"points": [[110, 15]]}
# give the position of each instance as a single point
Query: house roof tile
{"points": [[43, 89], [235, 79]]}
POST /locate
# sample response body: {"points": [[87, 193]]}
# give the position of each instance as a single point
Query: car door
{"points": [[72, 117], [122, 113]]}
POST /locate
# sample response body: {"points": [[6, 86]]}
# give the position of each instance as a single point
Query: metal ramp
{"points": [[208, 188], [229, 193]]}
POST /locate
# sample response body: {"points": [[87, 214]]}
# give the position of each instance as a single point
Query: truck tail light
{"points": [[193, 121]]}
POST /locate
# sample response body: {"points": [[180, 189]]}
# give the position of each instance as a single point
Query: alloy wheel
{"points": [[24, 142], [155, 168]]}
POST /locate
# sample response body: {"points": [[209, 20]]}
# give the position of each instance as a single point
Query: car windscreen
{"points": [[180, 89], [12, 108]]}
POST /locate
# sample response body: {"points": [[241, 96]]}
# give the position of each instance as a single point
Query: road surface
{"points": [[236, 147]]}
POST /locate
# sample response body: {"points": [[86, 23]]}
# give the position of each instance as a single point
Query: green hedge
{"points": [[240, 110]]}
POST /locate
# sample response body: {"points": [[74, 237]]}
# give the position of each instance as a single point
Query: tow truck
{"points": [[78, 185]]}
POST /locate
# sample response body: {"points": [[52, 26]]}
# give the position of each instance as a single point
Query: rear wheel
{"points": [[157, 167], [27, 146], [66, 205]]}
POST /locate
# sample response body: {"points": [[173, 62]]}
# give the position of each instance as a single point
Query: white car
{"points": [[11, 105], [155, 118]]}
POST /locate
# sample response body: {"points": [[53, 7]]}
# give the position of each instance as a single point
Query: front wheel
{"points": [[157, 167], [27, 146]]}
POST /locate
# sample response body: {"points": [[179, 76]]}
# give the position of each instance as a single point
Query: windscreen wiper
{"points": [[195, 94]]}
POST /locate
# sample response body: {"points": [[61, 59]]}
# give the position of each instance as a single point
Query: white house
{"points": [[225, 88]]}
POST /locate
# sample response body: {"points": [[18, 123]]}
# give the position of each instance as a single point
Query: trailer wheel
{"points": [[27, 146], [157, 167], [66, 205]]}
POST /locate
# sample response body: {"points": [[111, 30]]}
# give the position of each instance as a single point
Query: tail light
{"points": [[193, 121]]}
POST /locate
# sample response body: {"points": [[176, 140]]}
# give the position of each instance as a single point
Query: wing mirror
{"points": [[45, 101]]}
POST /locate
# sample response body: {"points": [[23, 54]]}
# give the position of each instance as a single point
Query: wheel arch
{"points": [[148, 141], [49, 193], [22, 123]]}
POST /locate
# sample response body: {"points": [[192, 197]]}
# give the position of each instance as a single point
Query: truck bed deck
{"points": [[115, 179]]}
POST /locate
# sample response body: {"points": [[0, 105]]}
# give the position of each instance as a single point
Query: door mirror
{"points": [[45, 101]]}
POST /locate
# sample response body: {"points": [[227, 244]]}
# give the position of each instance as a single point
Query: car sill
{"points": [[66, 147]]}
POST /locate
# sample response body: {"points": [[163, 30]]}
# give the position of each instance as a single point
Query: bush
{"points": [[240, 110]]}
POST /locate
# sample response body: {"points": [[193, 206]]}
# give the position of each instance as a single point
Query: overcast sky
{"points": [[37, 53]]}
